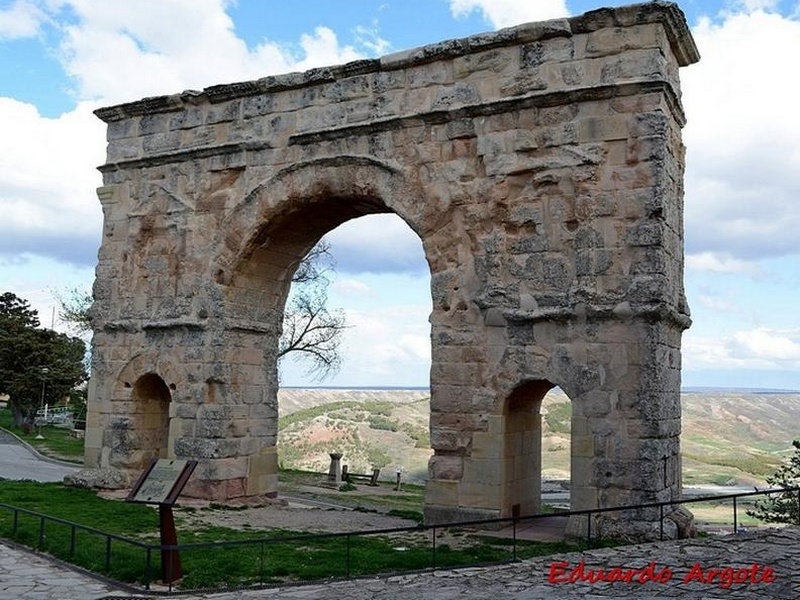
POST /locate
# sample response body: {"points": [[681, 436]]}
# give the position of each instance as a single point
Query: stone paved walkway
{"points": [[20, 461], [765, 564]]}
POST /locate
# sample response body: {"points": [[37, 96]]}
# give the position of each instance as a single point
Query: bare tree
{"points": [[74, 305], [311, 332]]}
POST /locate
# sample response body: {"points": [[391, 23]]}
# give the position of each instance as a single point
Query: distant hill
{"points": [[729, 436], [383, 429], [735, 436]]}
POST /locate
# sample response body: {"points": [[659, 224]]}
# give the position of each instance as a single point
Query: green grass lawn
{"points": [[249, 557], [125, 563]]}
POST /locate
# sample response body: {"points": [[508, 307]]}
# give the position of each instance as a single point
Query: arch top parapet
{"points": [[666, 13]]}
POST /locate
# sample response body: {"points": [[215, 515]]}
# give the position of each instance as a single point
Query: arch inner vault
{"points": [[542, 168]]}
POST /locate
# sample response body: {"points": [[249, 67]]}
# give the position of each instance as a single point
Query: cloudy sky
{"points": [[60, 59]]}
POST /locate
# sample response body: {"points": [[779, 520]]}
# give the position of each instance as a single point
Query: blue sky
{"points": [[60, 59]]}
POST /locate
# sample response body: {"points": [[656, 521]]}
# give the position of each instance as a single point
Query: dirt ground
{"points": [[297, 515], [302, 508]]}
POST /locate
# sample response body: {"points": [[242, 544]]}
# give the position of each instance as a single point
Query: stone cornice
{"points": [[667, 13], [655, 312], [133, 325], [538, 100]]}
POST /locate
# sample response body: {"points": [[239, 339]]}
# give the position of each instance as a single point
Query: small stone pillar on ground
{"points": [[335, 470]]}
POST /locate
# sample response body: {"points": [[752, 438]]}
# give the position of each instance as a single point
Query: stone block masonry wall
{"points": [[541, 167]]}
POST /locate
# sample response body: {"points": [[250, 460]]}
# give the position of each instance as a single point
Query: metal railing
{"points": [[45, 527], [437, 552]]}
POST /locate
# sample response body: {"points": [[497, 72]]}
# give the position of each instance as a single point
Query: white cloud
{"points": [[717, 262], [21, 20], [743, 160], [122, 51], [377, 244], [369, 38], [116, 52], [388, 344], [715, 304], [505, 13], [758, 349], [351, 288], [780, 347], [754, 5], [322, 48], [48, 181]]}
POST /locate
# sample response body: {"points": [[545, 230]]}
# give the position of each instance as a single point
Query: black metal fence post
{"points": [[347, 557], [589, 529], [514, 542], [261, 565], [735, 517], [433, 554], [661, 521], [148, 565], [108, 553]]}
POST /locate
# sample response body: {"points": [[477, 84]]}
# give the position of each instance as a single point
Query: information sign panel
{"points": [[163, 481]]}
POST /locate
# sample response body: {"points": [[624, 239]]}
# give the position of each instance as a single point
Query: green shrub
{"points": [[781, 507], [382, 423]]}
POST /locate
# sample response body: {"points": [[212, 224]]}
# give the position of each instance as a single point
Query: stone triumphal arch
{"points": [[542, 168]]}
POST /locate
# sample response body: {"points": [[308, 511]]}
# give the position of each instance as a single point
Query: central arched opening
{"points": [[281, 235], [372, 409]]}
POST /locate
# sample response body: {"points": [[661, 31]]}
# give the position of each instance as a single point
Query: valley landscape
{"points": [[730, 437]]}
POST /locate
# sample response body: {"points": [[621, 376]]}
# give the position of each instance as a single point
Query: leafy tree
{"points": [[36, 365], [16, 312], [782, 507]]}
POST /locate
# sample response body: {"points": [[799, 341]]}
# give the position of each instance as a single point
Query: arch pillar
{"points": [[623, 384]]}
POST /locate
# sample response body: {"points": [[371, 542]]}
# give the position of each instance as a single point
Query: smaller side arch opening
{"points": [[522, 445], [150, 398]]}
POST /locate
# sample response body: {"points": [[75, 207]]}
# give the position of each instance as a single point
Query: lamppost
{"points": [[39, 435]]}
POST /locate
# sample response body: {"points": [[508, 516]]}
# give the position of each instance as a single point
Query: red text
{"points": [[727, 576], [560, 572]]}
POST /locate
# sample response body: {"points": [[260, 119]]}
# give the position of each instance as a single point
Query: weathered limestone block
{"points": [[104, 479]]}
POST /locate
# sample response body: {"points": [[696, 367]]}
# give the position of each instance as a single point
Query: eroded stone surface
{"points": [[541, 167]]}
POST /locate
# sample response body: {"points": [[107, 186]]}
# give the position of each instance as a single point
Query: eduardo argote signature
{"points": [[563, 572]]}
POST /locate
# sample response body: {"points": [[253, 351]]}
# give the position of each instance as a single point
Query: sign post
{"points": [[161, 483]]}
